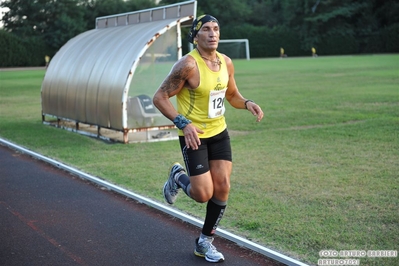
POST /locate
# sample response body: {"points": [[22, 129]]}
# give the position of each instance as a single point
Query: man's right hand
{"points": [[191, 136]]}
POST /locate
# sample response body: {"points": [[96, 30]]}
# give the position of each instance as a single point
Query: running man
{"points": [[201, 81]]}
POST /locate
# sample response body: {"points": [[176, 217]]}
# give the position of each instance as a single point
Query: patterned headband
{"points": [[197, 24]]}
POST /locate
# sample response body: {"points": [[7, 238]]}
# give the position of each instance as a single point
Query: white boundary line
{"points": [[223, 233]]}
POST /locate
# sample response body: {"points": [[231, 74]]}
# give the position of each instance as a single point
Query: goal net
{"points": [[235, 48]]}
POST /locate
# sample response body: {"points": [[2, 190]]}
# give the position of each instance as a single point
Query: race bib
{"points": [[216, 103]]}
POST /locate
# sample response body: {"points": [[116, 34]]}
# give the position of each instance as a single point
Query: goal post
{"points": [[235, 48]]}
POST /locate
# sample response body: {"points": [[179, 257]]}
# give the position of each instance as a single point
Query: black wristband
{"points": [[247, 102], [181, 122]]}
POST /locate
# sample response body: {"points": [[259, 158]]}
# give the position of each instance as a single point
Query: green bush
{"points": [[373, 44], [17, 52], [390, 37], [12, 51], [265, 42], [36, 50], [338, 45]]}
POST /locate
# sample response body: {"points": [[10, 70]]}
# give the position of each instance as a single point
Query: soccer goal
{"points": [[235, 48]]}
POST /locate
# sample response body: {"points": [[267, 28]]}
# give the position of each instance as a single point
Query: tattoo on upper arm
{"points": [[176, 79]]}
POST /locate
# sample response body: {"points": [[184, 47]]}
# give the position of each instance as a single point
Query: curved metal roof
{"points": [[89, 78]]}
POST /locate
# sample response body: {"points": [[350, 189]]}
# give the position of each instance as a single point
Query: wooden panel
{"points": [[172, 12], [122, 20], [111, 22], [101, 23], [157, 15], [186, 10], [145, 16], [133, 19]]}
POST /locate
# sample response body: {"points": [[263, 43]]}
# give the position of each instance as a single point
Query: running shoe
{"points": [[206, 250], [171, 188]]}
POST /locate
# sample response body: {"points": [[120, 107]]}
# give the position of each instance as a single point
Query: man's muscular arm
{"points": [[171, 86], [181, 75]]}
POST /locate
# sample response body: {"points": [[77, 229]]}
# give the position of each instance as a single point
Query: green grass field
{"points": [[320, 172]]}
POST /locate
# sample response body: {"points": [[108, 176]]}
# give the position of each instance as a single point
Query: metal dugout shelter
{"points": [[92, 79]]}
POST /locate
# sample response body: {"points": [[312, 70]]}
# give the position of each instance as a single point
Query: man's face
{"points": [[208, 36]]}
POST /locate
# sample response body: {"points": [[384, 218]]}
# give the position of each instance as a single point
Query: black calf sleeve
{"points": [[214, 213]]}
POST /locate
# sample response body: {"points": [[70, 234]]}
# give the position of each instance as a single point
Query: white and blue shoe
{"points": [[205, 249], [171, 188]]}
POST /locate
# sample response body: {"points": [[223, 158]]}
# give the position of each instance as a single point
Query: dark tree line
{"points": [[35, 28], [331, 26]]}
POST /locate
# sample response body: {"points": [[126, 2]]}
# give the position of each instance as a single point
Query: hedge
{"points": [[263, 42], [17, 52]]}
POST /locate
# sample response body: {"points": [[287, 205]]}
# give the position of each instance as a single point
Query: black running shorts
{"points": [[214, 148]]}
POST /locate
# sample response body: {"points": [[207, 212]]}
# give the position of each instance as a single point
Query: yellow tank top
{"points": [[204, 106]]}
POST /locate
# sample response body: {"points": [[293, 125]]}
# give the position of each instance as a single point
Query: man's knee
{"points": [[222, 192], [203, 196], [222, 185]]}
